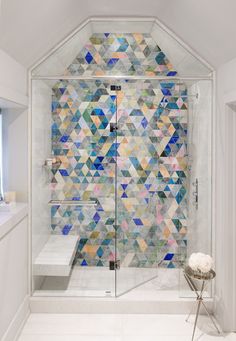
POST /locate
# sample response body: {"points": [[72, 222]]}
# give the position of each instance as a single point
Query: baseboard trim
{"points": [[14, 329]]}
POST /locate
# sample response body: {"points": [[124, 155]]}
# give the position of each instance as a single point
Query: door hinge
{"points": [[114, 265], [115, 88]]}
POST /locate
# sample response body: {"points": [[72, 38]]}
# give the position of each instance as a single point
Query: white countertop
{"points": [[11, 218]]}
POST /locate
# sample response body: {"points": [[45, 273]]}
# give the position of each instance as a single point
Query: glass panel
{"points": [[140, 177], [184, 62], [73, 169], [199, 181], [1, 158], [92, 51], [151, 180]]}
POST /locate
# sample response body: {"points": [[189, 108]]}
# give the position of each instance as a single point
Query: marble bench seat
{"points": [[56, 257]]}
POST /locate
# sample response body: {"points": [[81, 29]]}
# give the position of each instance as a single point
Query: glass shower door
{"points": [[151, 204], [137, 172]]}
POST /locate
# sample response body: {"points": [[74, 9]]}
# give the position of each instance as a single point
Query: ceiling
{"points": [[30, 28]]}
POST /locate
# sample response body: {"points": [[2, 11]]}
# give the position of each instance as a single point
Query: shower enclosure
{"points": [[121, 166]]}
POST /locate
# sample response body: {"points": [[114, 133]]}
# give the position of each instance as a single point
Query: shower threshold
{"points": [[159, 295], [137, 301]]}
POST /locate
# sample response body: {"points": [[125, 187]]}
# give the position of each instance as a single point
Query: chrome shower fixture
{"points": [[195, 193], [51, 162]]}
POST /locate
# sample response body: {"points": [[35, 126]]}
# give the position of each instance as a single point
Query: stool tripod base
{"points": [[199, 300]]}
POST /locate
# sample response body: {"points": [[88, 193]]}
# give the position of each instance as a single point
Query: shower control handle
{"points": [[113, 127], [195, 193]]}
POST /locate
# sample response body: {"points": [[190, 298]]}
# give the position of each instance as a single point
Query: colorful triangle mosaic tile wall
{"points": [[143, 165], [117, 54]]}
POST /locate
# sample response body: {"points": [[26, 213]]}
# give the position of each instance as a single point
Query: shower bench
{"points": [[56, 257]]}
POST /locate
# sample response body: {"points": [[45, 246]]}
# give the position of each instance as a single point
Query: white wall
{"points": [[14, 280], [13, 80], [13, 104], [15, 153], [225, 206]]}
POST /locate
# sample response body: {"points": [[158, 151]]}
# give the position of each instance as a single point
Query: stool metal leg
{"points": [[199, 294], [194, 289], [190, 313], [196, 318], [199, 300], [215, 325]]}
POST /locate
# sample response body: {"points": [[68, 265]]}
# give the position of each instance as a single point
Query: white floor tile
{"points": [[64, 324], [77, 337], [110, 327]]}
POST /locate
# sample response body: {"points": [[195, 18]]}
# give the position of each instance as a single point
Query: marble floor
{"points": [[115, 327]]}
